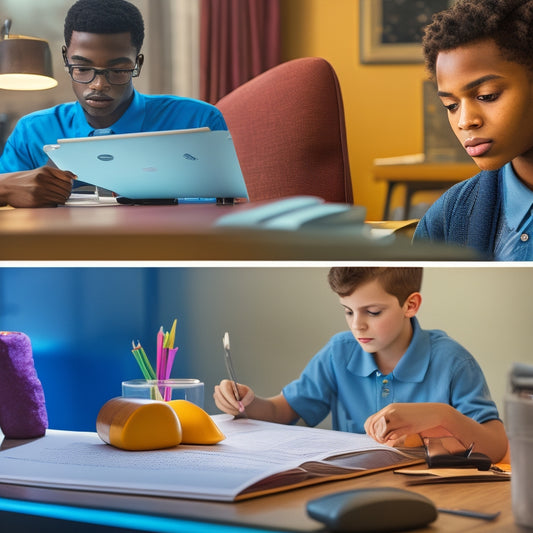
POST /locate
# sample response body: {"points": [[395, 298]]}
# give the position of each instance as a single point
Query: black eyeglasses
{"points": [[114, 76]]}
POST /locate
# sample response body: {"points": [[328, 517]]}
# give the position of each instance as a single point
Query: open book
{"points": [[256, 458]]}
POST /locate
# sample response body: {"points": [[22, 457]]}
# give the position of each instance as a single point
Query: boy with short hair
{"points": [[386, 376], [102, 55], [480, 53]]}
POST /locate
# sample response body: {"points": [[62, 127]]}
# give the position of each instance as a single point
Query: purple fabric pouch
{"points": [[22, 406]]}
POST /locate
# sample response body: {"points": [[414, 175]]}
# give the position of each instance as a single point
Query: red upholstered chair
{"points": [[288, 128]]}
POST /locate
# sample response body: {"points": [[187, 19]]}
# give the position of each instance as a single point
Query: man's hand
{"points": [[43, 187]]}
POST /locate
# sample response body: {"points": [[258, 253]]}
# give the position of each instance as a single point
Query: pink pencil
{"points": [[160, 338]]}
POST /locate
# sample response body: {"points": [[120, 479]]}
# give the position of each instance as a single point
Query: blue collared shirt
{"points": [[344, 379], [24, 148], [514, 238]]}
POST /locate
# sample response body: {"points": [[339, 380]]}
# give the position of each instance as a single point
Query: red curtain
{"points": [[239, 39]]}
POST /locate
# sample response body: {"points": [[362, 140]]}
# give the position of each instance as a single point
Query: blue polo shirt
{"points": [[514, 237], [24, 148], [344, 379]]}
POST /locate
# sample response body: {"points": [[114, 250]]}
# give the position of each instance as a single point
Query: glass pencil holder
{"points": [[191, 390]]}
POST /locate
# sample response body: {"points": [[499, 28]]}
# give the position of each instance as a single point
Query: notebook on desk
{"points": [[256, 458], [300, 213], [196, 163]]}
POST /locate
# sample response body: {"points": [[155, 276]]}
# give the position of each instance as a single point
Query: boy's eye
{"points": [[451, 107], [374, 313], [488, 97]]}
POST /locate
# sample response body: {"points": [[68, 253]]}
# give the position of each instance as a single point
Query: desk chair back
{"points": [[289, 132]]}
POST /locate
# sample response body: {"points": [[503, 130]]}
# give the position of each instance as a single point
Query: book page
{"points": [[252, 451]]}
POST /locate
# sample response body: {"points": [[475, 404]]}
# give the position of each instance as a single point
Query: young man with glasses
{"points": [[103, 40]]}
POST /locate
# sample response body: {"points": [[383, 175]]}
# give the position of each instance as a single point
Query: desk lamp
{"points": [[25, 62]]}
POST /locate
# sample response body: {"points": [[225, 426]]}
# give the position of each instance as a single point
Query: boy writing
{"points": [[386, 376], [480, 53]]}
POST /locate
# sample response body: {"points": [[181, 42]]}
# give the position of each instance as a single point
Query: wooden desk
{"points": [[420, 177], [184, 232], [286, 511]]}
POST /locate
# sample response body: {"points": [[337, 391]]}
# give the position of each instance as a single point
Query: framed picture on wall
{"points": [[391, 31]]}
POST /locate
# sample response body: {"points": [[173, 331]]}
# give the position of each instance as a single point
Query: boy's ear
{"points": [[412, 304]]}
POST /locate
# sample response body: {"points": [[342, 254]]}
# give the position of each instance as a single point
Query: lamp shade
{"points": [[25, 64]]}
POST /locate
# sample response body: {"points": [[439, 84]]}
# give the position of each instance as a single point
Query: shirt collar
{"points": [[130, 122], [362, 363], [517, 198], [411, 367]]}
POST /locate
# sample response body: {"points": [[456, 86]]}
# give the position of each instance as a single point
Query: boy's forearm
{"points": [[488, 438], [433, 419], [4, 192], [274, 409]]}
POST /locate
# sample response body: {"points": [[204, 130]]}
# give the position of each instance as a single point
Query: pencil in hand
{"points": [[231, 371]]}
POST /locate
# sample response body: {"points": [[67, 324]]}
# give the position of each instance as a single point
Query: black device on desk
{"points": [[373, 509], [146, 201], [447, 452]]}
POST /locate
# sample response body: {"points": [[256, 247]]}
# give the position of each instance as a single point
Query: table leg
{"points": [[386, 210], [409, 192]]}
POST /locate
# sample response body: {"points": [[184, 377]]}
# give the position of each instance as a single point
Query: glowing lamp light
{"points": [[25, 62]]}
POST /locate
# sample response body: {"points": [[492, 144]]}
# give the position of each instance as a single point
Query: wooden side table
{"points": [[415, 177]]}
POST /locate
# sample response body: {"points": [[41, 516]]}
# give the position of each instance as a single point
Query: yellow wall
{"points": [[382, 103]]}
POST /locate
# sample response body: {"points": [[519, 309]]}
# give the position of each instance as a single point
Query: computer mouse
{"points": [[373, 509]]}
